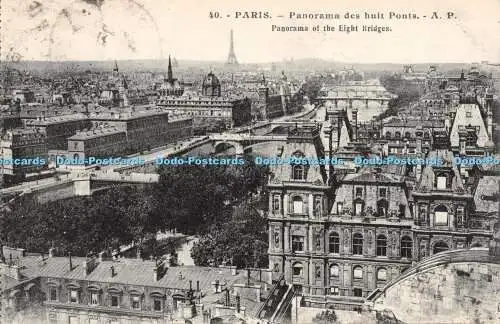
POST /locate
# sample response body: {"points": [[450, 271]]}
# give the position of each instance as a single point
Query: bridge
{"points": [[83, 183], [241, 142], [70, 182]]}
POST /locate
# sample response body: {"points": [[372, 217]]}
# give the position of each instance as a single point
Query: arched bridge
{"points": [[241, 142]]}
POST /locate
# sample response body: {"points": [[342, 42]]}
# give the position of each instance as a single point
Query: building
{"points": [[58, 128], [280, 99], [211, 86], [23, 151], [210, 112], [98, 142], [145, 127], [171, 86], [53, 289], [468, 115], [356, 232]]}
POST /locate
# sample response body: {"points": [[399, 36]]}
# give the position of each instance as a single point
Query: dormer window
{"points": [[73, 296], [441, 181], [359, 192], [136, 302], [382, 192], [53, 295], [298, 172]]}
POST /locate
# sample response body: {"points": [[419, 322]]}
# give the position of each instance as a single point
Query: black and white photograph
{"points": [[249, 162]]}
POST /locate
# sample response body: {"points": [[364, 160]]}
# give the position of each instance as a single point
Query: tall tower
{"points": [[231, 58], [170, 76]]}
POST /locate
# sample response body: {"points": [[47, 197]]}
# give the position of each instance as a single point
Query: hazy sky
{"points": [[151, 29]]}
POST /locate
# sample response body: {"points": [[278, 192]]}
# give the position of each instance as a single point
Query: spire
{"points": [[115, 69], [170, 74]]}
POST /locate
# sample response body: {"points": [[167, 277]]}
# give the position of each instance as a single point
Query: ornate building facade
{"points": [[356, 232]]}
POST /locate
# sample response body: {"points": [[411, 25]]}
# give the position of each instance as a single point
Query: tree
{"points": [[242, 241], [191, 198], [325, 317]]}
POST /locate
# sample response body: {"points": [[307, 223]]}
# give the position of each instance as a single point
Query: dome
{"points": [[211, 80], [211, 86]]}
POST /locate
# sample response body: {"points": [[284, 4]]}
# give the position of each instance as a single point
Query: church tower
{"points": [[231, 58]]}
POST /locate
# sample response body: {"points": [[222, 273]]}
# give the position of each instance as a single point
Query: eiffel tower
{"points": [[231, 58]]}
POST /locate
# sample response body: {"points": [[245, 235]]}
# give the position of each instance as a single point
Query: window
{"points": [[406, 247], [402, 210], [53, 294], [94, 298], [357, 292], [359, 192], [382, 207], [441, 182], [73, 320], [468, 114], [339, 208], [440, 247], [297, 269], [359, 206], [297, 243], [73, 296], [357, 244], [334, 243], [397, 134], [441, 215], [382, 274], [276, 203], [298, 205], [334, 271], [382, 192], [407, 135], [157, 304], [136, 302], [334, 291], [317, 272], [388, 134], [298, 172], [381, 245], [114, 301], [357, 272]]}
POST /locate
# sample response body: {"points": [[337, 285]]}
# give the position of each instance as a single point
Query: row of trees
{"points": [[215, 203]]}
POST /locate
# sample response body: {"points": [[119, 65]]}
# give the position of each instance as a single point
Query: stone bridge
{"points": [[76, 184], [242, 142]]}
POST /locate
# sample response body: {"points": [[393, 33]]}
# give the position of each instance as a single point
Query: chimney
{"points": [[238, 305], [70, 262], [418, 169], [227, 298], [101, 256], [190, 285], [355, 123], [197, 285], [51, 252], [155, 274], [216, 285], [112, 271], [462, 140], [489, 123]]}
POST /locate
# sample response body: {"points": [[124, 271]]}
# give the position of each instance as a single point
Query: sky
{"points": [[153, 29]]}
